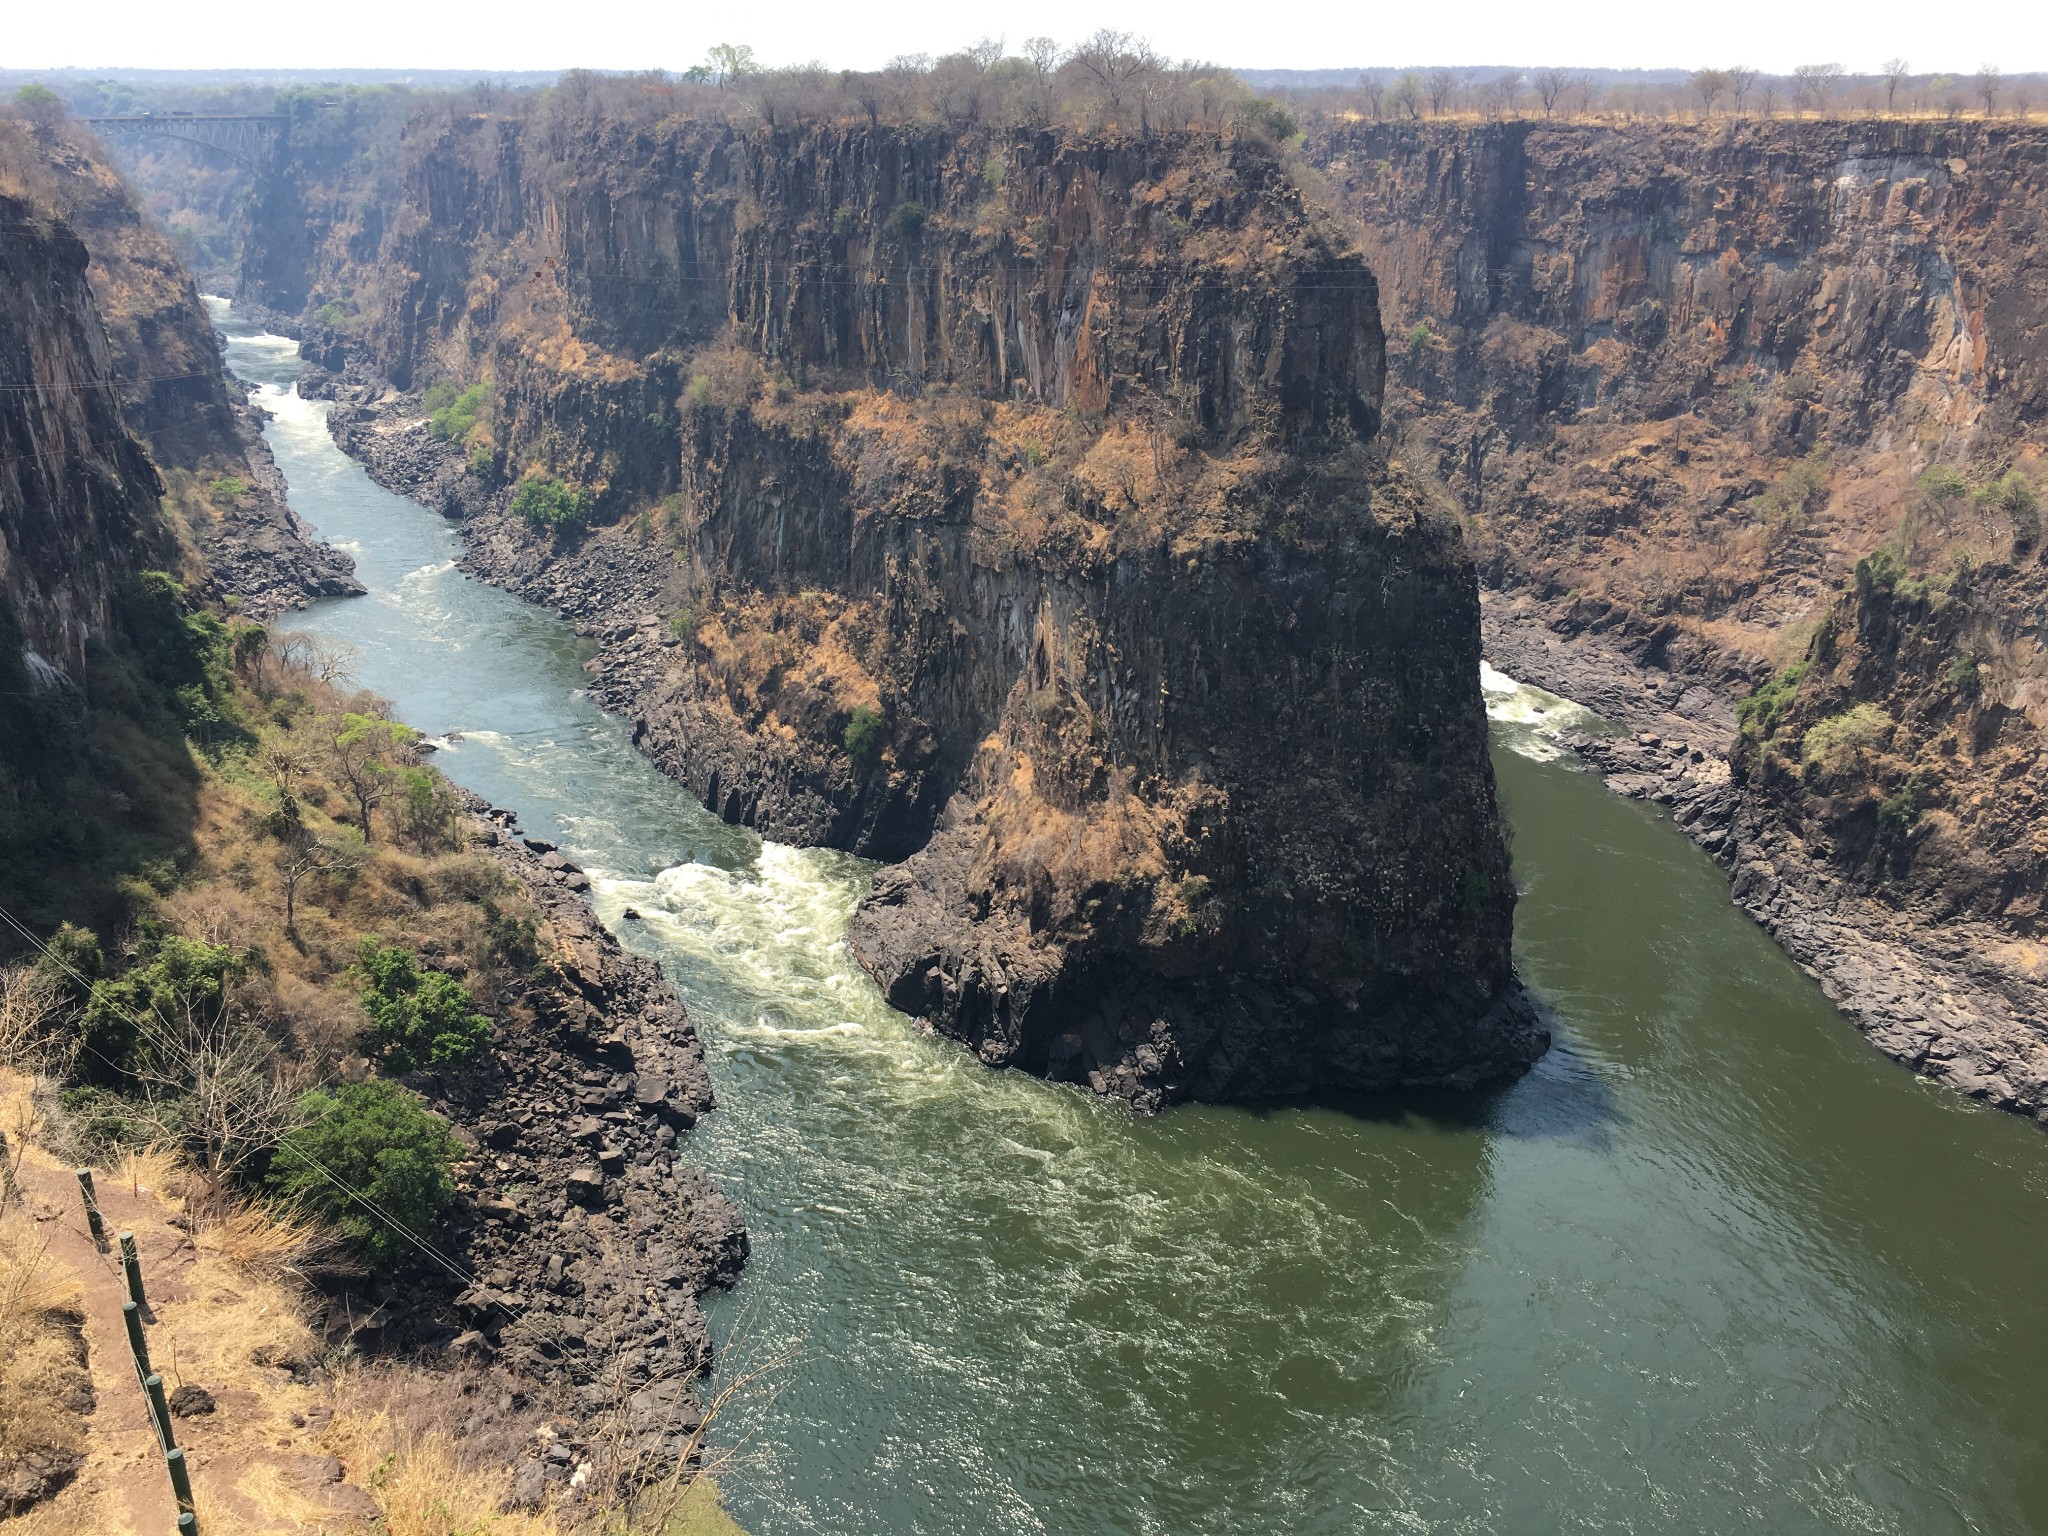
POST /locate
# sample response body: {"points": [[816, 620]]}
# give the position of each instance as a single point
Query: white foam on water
{"points": [[1529, 720]]}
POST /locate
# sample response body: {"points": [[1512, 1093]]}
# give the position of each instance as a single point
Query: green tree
{"points": [[41, 105], [1941, 483], [547, 502], [422, 1017], [366, 752], [427, 808], [370, 1157], [2013, 494], [453, 416], [864, 733], [177, 989]]}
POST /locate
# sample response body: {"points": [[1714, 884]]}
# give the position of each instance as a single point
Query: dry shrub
{"points": [[724, 376], [153, 1170], [266, 1241], [23, 1116]]}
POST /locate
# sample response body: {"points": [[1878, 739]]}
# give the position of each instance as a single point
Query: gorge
{"points": [[1045, 460], [1005, 608], [1016, 1307]]}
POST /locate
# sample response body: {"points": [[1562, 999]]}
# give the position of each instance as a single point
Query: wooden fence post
{"points": [[92, 1206], [131, 1265], [131, 1314]]}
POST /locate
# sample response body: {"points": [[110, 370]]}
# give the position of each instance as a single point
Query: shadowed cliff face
{"points": [[77, 494], [1006, 506], [174, 390]]}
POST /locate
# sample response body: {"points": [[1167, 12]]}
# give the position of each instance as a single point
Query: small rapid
{"points": [[1712, 1265]]}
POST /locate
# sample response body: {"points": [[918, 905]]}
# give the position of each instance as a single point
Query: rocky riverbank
{"points": [[260, 550], [572, 1265], [1954, 1000]]}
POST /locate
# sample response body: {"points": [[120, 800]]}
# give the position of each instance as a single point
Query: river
{"points": [[1713, 1266]]}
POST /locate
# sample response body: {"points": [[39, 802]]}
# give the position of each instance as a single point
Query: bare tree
{"points": [[1583, 91], [1989, 79], [31, 1009], [1113, 62], [1814, 85], [866, 91], [1895, 71], [1709, 85], [1551, 84], [1740, 79], [1043, 55], [904, 73], [327, 660], [1373, 87], [1439, 86], [302, 857], [240, 1094]]}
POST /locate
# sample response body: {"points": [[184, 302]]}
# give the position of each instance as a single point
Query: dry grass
{"points": [[39, 1370], [153, 1170], [398, 1440], [264, 1240]]}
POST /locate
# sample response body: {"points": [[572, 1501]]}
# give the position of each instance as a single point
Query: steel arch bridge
{"points": [[247, 139]]}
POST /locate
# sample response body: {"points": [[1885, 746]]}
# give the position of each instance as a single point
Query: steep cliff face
{"points": [[174, 392], [1003, 505], [1614, 339], [223, 495], [78, 495], [1760, 408]]}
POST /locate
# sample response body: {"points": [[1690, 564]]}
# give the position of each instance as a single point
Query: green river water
{"points": [[1713, 1266]]}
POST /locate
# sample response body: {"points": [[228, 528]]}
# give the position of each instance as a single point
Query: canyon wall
{"points": [[223, 498], [1005, 505], [1755, 410], [78, 495]]}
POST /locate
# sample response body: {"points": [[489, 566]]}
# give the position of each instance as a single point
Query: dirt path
{"points": [[257, 1468]]}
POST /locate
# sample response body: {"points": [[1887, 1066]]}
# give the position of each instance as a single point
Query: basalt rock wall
{"points": [[224, 499], [78, 494], [1004, 505]]}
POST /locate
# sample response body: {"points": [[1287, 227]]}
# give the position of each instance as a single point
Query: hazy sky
{"points": [[606, 34]]}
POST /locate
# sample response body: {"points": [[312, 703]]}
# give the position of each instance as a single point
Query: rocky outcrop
{"points": [[259, 549], [1007, 506]]}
